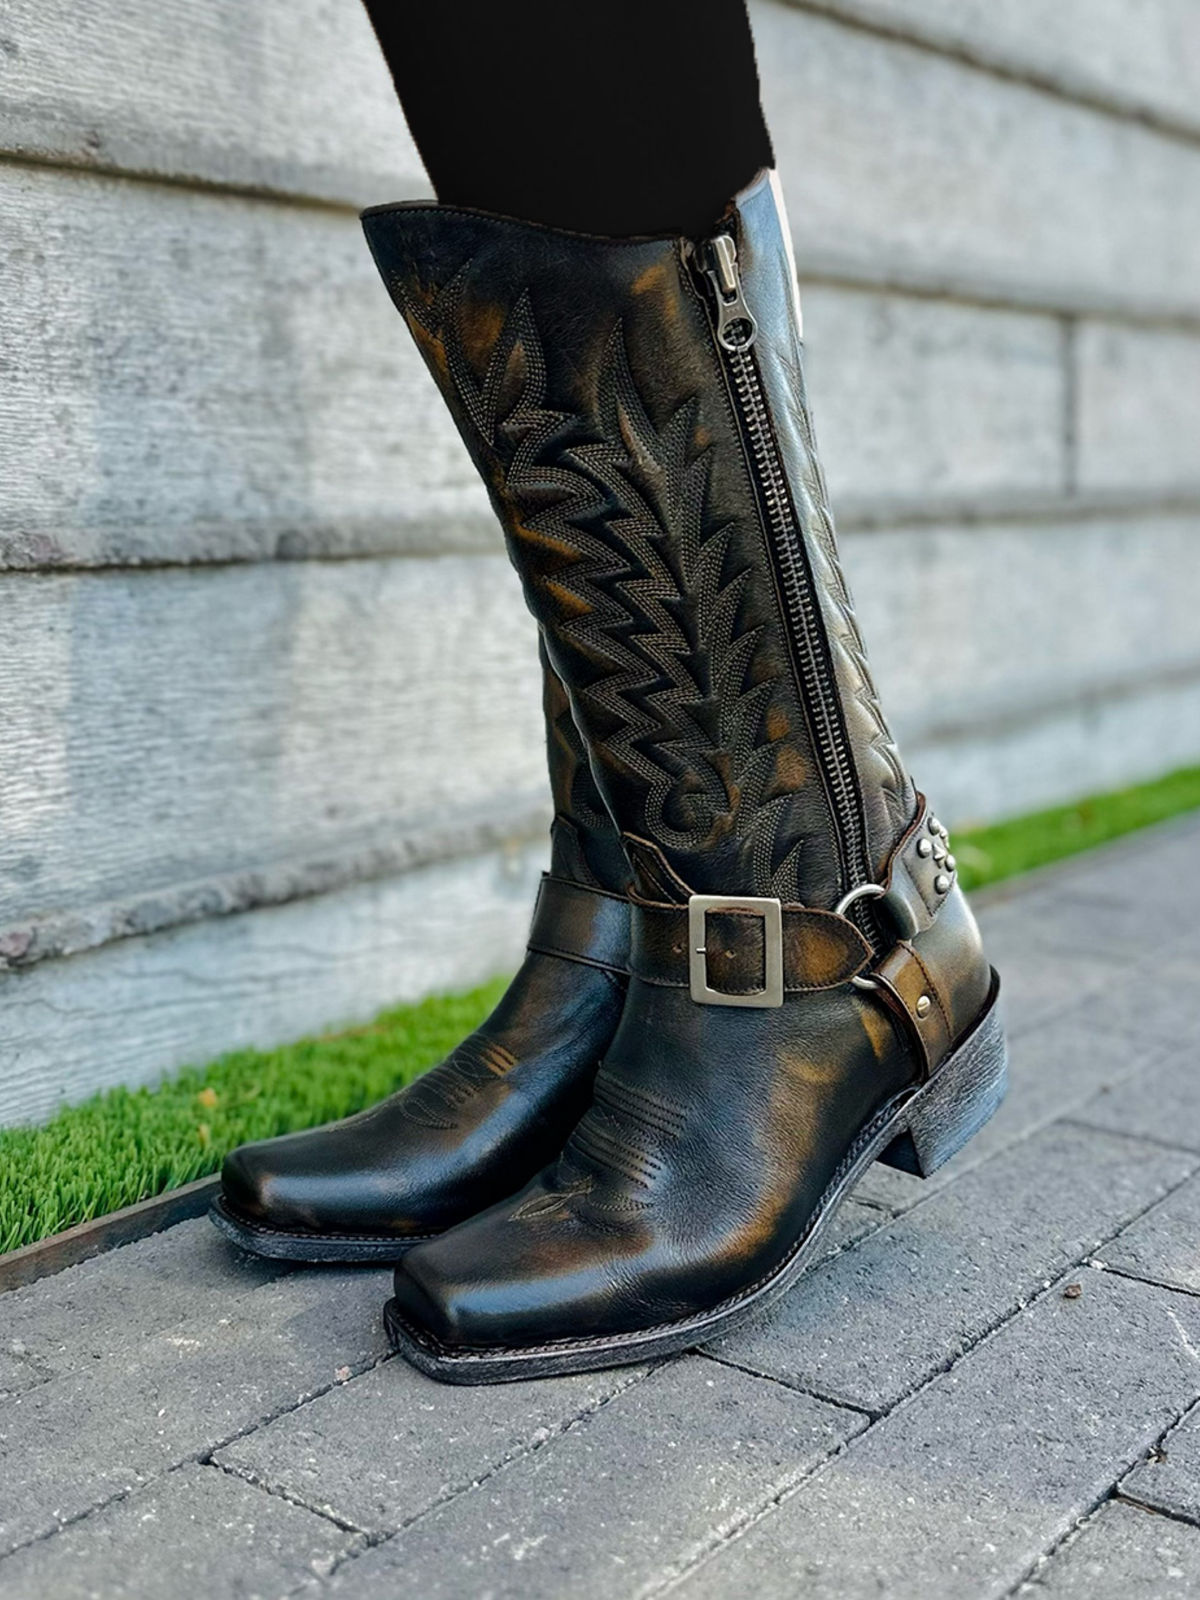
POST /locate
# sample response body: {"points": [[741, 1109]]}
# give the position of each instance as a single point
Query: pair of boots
{"points": [[751, 972]]}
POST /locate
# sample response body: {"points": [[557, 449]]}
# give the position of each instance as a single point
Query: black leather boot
{"points": [[479, 1125], [808, 991]]}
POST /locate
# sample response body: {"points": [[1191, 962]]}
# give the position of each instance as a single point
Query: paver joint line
{"points": [[759, 1514], [455, 1492], [1079, 1121], [1144, 1277], [842, 1404], [968, 1344], [1124, 1497], [1115, 1494], [243, 1476]]}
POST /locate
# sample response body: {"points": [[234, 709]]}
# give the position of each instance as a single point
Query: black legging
{"points": [[611, 116]]}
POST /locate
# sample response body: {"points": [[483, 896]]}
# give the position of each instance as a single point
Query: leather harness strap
{"points": [[579, 923], [820, 950], [920, 874], [748, 950], [905, 986]]}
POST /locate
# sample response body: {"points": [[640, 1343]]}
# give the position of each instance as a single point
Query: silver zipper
{"points": [[736, 331]]}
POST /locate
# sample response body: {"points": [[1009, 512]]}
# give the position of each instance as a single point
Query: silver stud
{"points": [[942, 883], [924, 1005], [924, 847], [934, 825], [951, 863]]}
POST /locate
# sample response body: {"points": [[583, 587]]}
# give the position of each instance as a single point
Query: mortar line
{"points": [[1074, 1119], [1049, 708], [812, 1390], [1015, 294], [1067, 1118], [1012, 296], [963, 513], [863, 519], [1069, 356], [384, 551], [199, 183], [410, 849], [679, 1571], [82, 1516], [1061, 1543], [373, 1537], [1085, 1260], [1142, 1277], [966, 514]]}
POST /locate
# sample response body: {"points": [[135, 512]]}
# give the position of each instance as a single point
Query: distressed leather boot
{"points": [[808, 993], [479, 1125]]}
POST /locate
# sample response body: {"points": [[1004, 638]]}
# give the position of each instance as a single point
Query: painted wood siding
{"points": [[270, 746]]}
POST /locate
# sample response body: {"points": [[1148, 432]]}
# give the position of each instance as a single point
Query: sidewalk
{"points": [[994, 1378]]}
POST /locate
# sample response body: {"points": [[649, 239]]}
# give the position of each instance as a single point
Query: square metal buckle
{"points": [[771, 912]]}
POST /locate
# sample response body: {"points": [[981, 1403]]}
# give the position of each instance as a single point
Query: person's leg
{"points": [[626, 117]]}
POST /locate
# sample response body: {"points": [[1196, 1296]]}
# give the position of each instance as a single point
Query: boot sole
{"points": [[293, 1244], [916, 1132]]}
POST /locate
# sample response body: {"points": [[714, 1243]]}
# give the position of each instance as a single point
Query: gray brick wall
{"points": [[240, 543]]}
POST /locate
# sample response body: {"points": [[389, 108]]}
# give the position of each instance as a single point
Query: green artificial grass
{"points": [[128, 1144], [985, 855]]}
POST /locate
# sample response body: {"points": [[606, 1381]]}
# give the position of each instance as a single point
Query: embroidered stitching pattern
{"points": [[627, 511], [640, 1105], [435, 1100]]}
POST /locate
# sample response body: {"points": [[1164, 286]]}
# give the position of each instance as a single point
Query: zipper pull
{"points": [[736, 327]]}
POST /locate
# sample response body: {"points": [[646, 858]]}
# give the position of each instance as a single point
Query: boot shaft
{"points": [[654, 469]]}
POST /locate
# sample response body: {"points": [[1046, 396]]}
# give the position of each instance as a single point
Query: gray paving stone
{"points": [[185, 1272], [1164, 1245], [1053, 1071], [853, 1222], [957, 1493], [1170, 1479], [379, 1451], [1159, 1002], [621, 1502], [17, 1371], [1156, 869], [1037, 982], [195, 1532], [1162, 1102], [1083, 914], [887, 1315], [1123, 1553], [79, 1440]]}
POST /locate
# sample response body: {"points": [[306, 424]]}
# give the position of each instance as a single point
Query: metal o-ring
{"points": [[865, 891]]}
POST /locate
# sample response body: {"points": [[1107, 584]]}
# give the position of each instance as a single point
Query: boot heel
{"points": [[955, 1103]]}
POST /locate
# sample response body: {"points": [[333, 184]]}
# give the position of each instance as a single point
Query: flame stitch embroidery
{"points": [[626, 570]]}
